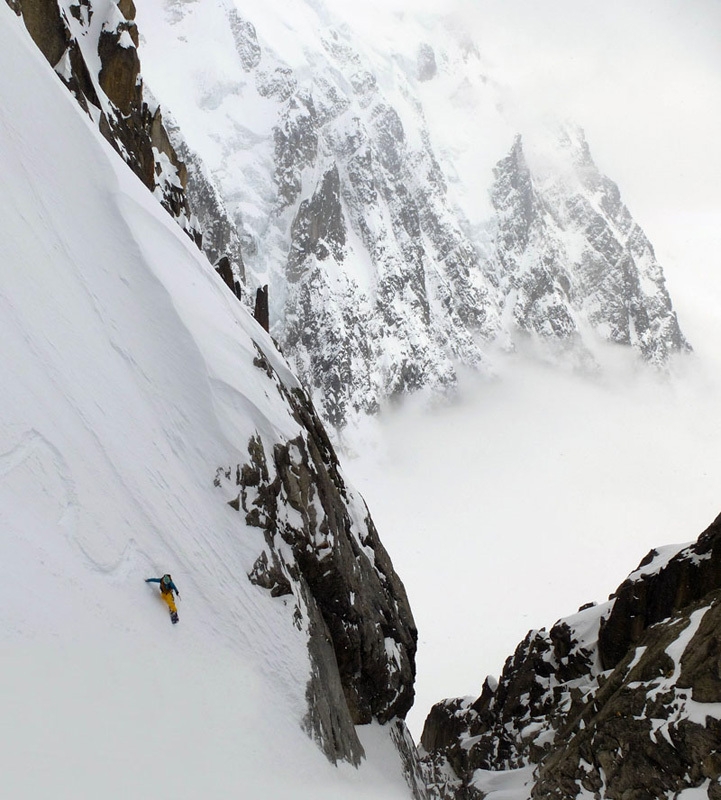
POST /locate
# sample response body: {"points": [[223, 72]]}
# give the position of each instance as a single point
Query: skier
{"points": [[167, 587]]}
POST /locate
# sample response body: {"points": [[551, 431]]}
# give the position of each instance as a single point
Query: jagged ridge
{"points": [[620, 697], [572, 258]]}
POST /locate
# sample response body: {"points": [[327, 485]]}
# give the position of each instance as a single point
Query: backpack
{"points": [[166, 583]]}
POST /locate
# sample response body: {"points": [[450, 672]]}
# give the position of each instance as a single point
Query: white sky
{"points": [[642, 78]]}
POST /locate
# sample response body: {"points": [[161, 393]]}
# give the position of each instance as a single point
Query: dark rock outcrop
{"points": [[120, 68], [648, 734], [261, 312], [650, 596], [43, 20], [319, 227], [323, 549], [618, 701], [224, 269], [112, 98]]}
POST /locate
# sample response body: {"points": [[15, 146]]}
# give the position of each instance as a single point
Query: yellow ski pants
{"points": [[169, 599]]}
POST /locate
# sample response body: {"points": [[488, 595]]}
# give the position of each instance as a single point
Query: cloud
{"points": [[532, 495], [643, 78]]}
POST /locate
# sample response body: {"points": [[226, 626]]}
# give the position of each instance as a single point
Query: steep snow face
{"points": [[353, 150], [130, 375]]}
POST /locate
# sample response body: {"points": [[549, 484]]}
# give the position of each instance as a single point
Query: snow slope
{"points": [[127, 380]]}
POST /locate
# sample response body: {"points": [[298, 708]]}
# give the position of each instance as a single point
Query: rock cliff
{"points": [[93, 48], [618, 701], [323, 553], [572, 258]]}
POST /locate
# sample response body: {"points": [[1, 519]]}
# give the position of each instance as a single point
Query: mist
{"points": [[533, 494], [642, 79]]}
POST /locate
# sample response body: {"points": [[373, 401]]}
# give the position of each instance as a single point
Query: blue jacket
{"points": [[170, 585]]}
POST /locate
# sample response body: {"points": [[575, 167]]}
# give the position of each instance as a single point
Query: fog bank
{"points": [[533, 494]]}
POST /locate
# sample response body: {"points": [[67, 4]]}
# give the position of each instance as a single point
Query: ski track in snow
{"points": [[33, 443]]}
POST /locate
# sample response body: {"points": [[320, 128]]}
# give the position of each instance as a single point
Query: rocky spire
{"points": [[572, 257]]}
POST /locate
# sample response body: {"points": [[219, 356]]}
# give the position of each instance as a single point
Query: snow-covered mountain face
{"points": [[151, 426], [347, 157], [572, 258], [623, 697], [375, 290]]}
